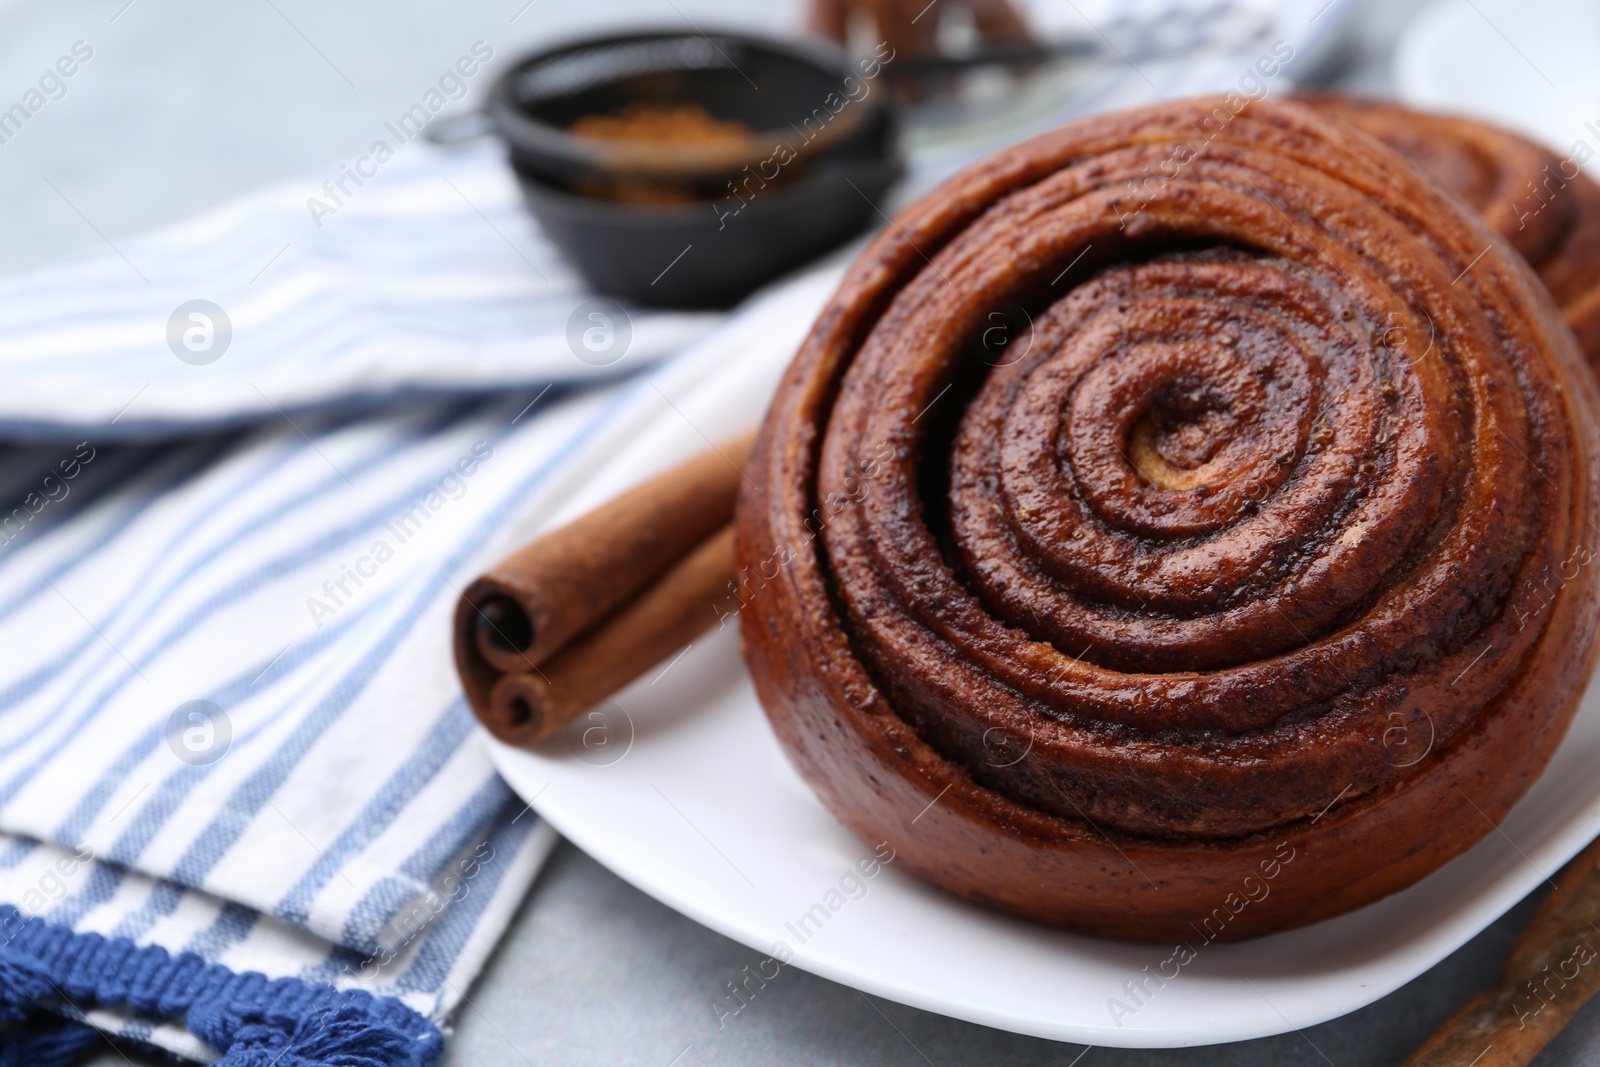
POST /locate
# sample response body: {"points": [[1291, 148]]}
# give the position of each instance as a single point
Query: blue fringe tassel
{"points": [[46, 1041], [252, 1020]]}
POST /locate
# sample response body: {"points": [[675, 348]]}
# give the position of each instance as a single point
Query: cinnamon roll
{"points": [[1177, 525], [1542, 203]]}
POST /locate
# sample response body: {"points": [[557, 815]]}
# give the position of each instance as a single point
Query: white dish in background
{"points": [[1526, 64], [687, 795]]}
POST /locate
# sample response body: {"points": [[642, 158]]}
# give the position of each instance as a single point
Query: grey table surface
{"points": [[186, 104]]}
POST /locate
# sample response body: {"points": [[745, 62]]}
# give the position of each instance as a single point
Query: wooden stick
{"points": [[535, 601], [526, 707], [1554, 968]]}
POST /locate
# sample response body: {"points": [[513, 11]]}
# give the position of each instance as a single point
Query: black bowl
{"points": [[686, 257], [822, 157]]}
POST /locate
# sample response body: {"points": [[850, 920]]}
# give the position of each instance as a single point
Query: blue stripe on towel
{"points": [[447, 735], [385, 899]]}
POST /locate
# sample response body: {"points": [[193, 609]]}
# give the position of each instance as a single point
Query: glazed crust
{"points": [[1543, 204], [1233, 577]]}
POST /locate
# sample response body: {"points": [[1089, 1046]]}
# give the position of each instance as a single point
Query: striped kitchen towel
{"points": [[430, 280], [244, 811], [230, 726]]}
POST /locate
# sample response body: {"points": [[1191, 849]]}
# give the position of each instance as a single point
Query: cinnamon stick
{"points": [[537, 599], [1553, 970], [575, 587], [528, 706], [543, 595]]}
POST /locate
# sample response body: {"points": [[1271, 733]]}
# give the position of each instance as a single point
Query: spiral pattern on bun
{"points": [[1542, 203], [1182, 490]]}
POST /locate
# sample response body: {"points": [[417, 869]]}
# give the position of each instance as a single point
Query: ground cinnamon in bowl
{"points": [[672, 123], [648, 140]]}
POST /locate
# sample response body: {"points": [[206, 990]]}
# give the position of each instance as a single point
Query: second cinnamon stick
{"points": [[1553, 970]]}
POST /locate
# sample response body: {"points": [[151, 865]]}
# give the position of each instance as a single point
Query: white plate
{"points": [[684, 792], [1527, 64]]}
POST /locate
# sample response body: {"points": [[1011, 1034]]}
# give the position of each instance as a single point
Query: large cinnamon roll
{"points": [[1176, 526], [1541, 202]]}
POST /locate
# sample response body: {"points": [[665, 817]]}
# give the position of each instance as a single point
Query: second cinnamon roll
{"points": [[1545, 205]]}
